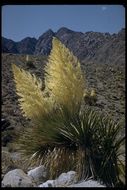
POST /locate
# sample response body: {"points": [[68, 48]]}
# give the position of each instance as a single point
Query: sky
{"points": [[20, 21]]}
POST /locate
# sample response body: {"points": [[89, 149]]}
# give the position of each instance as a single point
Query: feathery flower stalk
{"points": [[63, 77], [31, 99], [27, 58]]}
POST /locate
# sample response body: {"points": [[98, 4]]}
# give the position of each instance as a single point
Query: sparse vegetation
{"points": [[30, 65], [90, 97], [64, 136]]}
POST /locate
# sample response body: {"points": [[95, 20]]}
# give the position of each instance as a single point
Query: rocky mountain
{"points": [[9, 46], [44, 43], [113, 50], [92, 46], [25, 46], [83, 45]]}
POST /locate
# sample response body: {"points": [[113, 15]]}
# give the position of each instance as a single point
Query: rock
{"points": [[39, 174], [89, 183], [72, 175], [17, 178], [63, 180], [49, 183], [69, 179], [66, 179]]}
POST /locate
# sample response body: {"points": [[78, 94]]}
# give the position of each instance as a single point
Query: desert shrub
{"points": [[90, 97], [64, 136], [30, 65]]}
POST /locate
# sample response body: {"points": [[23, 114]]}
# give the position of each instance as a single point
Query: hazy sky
{"points": [[20, 21]]}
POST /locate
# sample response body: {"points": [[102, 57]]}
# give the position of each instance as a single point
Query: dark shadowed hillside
{"points": [[25, 46], [8, 46]]}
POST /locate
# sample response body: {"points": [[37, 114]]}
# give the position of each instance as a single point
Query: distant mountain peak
{"points": [[29, 38], [48, 32], [64, 29], [44, 43]]}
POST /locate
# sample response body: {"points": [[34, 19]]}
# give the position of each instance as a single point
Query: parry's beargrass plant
{"points": [[64, 137]]}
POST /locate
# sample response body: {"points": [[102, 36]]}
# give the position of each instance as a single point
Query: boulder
{"points": [[63, 180], [17, 178], [66, 179], [49, 183], [39, 174], [89, 183]]}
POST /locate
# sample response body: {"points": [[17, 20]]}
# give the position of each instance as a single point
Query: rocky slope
{"points": [[26, 46], [8, 46], [112, 51], [95, 46], [10, 109], [44, 43]]}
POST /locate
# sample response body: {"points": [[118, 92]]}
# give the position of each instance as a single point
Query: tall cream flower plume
{"points": [[63, 76], [31, 98]]}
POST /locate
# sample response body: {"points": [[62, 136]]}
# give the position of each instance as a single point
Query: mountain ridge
{"points": [[91, 46]]}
